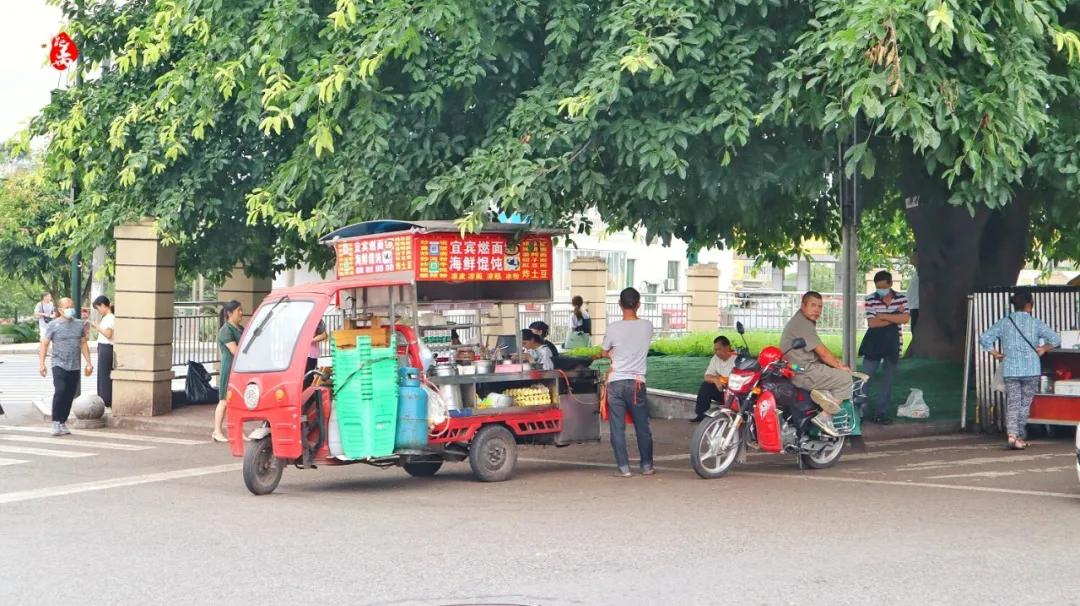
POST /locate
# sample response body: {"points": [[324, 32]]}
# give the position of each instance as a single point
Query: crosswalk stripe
{"points": [[46, 452], [99, 433], [71, 442], [4, 461]]}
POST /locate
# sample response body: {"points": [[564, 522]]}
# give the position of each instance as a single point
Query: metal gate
{"points": [[1055, 305]]}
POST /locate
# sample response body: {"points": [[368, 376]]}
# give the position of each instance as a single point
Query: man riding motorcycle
{"points": [[828, 380]]}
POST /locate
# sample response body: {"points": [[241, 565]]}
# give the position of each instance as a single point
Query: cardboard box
{"points": [[1069, 387]]}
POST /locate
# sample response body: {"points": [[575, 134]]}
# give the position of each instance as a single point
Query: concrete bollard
{"points": [[89, 412]]}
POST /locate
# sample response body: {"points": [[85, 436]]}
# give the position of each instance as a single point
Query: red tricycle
{"points": [[427, 295]]}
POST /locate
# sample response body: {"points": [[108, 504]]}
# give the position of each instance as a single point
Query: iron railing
{"points": [[195, 330], [771, 310]]}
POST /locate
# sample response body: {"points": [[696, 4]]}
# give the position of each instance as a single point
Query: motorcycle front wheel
{"points": [[827, 455], [708, 455]]}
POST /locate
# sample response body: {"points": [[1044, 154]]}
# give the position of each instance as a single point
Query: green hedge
{"points": [[24, 332], [699, 344]]}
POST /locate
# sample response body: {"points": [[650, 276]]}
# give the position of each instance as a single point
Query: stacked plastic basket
{"points": [[366, 398]]}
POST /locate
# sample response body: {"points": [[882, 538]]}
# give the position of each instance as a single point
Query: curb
{"points": [[162, 424]]}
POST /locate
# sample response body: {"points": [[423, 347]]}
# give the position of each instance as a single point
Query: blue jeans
{"points": [[883, 383], [623, 396]]}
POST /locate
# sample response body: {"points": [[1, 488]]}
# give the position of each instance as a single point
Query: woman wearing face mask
{"points": [[886, 312], [67, 335]]}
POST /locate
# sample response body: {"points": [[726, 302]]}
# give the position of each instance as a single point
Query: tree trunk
{"points": [[959, 253]]}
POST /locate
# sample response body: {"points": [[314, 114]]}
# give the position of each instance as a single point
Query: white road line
{"points": [[822, 478], [56, 491], [1002, 474], [941, 464], [70, 442], [960, 487], [45, 452], [105, 433], [4, 462], [678, 457], [942, 438]]}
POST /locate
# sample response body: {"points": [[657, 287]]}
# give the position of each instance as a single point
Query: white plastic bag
{"points": [[915, 407], [997, 383]]}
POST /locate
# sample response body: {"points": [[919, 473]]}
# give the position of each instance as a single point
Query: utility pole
{"points": [[849, 219]]}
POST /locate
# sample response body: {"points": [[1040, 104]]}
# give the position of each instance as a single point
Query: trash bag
{"points": [[915, 407], [197, 387]]}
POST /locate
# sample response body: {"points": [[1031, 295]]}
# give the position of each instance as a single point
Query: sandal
{"points": [[1020, 444], [1012, 442]]}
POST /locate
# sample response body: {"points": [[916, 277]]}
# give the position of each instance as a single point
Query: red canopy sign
{"points": [[62, 51]]}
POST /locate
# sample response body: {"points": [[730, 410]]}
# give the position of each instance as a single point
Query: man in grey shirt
{"points": [[68, 337], [827, 378], [627, 345]]}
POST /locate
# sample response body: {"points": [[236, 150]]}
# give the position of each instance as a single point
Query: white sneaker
{"points": [[56, 429], [827, 403], [825, 425], [64, 431]]}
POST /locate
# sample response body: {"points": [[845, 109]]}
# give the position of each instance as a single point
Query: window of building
{"points": [[672, 275], [616, 264], [631, 265]]}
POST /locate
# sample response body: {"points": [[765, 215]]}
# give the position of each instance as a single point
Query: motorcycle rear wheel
{"points": [[705, 457], [827, 456]]}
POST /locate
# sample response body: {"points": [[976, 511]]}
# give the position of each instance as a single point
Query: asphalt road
{"points": [[103, 517]]}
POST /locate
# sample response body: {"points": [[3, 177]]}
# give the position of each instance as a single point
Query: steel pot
{"points": [[445, 370]]}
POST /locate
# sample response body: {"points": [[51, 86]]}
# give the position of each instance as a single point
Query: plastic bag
{"points": [[998, 382], [915, 407], [197, 388]]}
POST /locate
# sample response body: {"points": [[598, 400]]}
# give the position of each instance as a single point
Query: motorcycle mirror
{"points": [[739, 328]]}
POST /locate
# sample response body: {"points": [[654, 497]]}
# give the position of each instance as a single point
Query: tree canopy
{"points": [[251, 127]]}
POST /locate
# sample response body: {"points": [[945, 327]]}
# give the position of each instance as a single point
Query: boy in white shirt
{"points": [[720, 366]]}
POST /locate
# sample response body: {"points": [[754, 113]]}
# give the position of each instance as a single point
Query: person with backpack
{"points": [[1022, 340]]}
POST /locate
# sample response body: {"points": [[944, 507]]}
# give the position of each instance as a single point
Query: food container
{"points": [[484, 367], [502, 401], [445, 370], [1046, 384], [466, 369]]}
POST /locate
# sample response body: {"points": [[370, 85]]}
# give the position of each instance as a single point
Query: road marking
{"points": [[1001, 474], [942, 464], [943, 438], [45, 452], [678, 457], [56, 491], [4, 462], [70, 442], [821, 478], [882, 454], [110, 434]]}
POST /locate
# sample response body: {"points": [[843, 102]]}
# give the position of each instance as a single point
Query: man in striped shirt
{"points": [[886, 312]]}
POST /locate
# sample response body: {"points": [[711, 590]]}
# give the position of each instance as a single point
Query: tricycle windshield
{"points": [[271, 336]]}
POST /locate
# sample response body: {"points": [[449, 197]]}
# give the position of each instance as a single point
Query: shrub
{"points": [[23, 332]]}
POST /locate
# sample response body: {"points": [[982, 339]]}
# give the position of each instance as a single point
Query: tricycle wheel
{"points": [[422, 469], [262, 470], [493, 454]]}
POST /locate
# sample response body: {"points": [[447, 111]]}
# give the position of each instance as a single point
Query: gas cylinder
{"points": [[412, 421]]}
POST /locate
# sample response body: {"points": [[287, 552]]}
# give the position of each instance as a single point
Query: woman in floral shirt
{"points": [[1023, 339]]}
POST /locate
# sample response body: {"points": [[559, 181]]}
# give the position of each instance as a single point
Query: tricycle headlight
{"points": [[251, 396]]}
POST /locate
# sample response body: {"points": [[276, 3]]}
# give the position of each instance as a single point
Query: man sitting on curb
{"points": [[828, 380], [720, 366]]}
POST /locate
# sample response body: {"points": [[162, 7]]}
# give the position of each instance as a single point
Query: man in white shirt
{"points": [[627, 345], [913, 292], [720, 366]]}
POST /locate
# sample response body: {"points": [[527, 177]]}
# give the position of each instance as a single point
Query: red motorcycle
{"points": [[764, 410]]}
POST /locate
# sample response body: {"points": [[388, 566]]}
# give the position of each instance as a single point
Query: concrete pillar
{"points": [[145, 293], [248, 291], [588, 280], [802, 278], [703, 284]]}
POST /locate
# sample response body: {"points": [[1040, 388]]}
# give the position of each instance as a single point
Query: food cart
{"points": [[394, 281]]}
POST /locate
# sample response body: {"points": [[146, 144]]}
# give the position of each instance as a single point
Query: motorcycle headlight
{"points": [[737, 382], [251, 396]]}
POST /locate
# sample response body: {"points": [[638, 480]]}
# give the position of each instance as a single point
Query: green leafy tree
{"points": [[249, 128], [28, 267]]}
